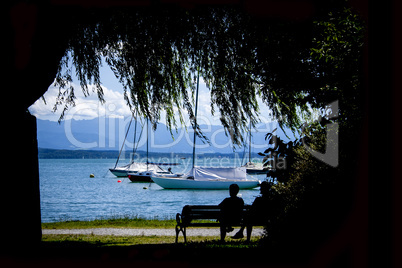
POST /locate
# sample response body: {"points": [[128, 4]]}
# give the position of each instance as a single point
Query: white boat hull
{"points": [[184, 183], [135, 168], [256, 171], [119, 172]]}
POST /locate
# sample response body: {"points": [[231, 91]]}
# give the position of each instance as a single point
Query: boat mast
{"points": [[195, 120], [147, 143], [122, 146], [249, 143], [135, 136]]}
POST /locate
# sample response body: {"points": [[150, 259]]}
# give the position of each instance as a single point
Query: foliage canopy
{"points": [[156, 53], [316, 196]]}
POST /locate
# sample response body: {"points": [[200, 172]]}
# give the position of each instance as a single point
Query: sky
{"points": [[115, 105]]}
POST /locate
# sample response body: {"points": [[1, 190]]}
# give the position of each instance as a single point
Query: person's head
{"points": [[265, 187], [233, 190]]}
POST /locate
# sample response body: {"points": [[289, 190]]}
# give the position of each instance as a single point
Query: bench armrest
{"points": [[179, 220]]}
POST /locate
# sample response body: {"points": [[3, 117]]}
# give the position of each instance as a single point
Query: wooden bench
{"points": [[190, 214]]}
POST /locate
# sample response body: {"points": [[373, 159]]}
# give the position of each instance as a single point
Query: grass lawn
{"points": [[197, 250], [110, 240], [124, 222], [144, 251], [112, 223], [148, 251], [105, 240]]}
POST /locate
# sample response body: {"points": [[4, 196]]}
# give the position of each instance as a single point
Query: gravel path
{"points": [[145, 232]]}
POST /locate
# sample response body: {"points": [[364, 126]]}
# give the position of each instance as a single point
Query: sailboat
{"points": [[137, 172], [206, 177]]}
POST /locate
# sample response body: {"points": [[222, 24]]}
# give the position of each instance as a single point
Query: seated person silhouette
{"points": [[259, 213], [231, 211]]}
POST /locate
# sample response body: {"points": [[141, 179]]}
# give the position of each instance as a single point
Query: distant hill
{"points": [[107, 134], [45, 153]]}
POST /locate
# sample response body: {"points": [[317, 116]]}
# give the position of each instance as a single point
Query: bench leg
{"points": [[177, 233], [248, 231], [183, 230], [223, 232]]}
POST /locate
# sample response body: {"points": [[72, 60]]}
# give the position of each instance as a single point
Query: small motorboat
{"points": [[140, 176], [252, 168], [145, 175]]}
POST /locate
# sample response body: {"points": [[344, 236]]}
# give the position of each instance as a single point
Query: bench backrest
{"points": [[211, 212]]}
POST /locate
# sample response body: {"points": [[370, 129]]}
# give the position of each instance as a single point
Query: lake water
{"points": [[68, 193]]}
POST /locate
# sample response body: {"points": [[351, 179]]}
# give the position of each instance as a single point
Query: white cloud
{"points": [[116, 107], [85, 108], [204, 106]]}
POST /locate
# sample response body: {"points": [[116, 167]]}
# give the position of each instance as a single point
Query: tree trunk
{"points": [[20, 205]]}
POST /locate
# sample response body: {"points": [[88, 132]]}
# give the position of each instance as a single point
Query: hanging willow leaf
{"points": [[157, 52]]}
